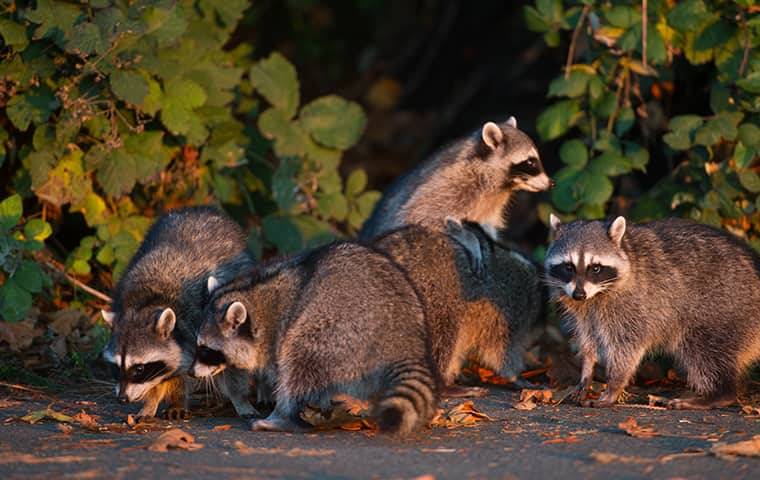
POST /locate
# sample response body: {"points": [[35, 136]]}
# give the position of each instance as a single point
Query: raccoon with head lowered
{"points": [[472, 179], [338, 319], [468, 314], [673, 285], [158, 304]]}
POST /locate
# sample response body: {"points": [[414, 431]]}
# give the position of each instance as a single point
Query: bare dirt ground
{"points": [[548, 441]]}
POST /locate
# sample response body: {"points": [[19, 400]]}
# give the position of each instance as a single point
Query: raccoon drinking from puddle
{"points": [[340, 319], [158, 304], [675, 286], [472, 179]]}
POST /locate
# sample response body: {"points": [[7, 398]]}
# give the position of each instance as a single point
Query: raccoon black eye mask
{"points": [[209, 356], [145, 372]]}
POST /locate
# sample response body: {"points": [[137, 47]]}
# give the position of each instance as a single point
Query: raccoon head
{"points": [[586, 257], [514, 157], [143, 351], [227, 336]]}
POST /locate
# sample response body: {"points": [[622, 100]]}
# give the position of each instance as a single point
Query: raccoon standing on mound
{"points": [[472, 179], [672, 285], [158, 305], [338, 319], [461, 292]]}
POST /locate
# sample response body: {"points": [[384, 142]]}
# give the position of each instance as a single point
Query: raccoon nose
{"points": [[123, 399], [552, 183], [579, 295]]}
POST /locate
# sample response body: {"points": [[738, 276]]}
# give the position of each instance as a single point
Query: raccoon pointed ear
{"points": [[617, 230], [512, 122], [165, 323], [234, 317], [492, 135], [212, 284], [108, 317], [554, 222]]}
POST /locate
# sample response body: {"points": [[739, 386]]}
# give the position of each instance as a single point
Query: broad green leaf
{"points": [[356, 183], [591, 212], [285, 190], [625, 121], [749, 134], [534, 20], [152, 101], [29, 276], [37, 229], [11, 210], [595, 188], [276, 79], [573, 86], [687, 15], [574, 153], [15, 301], [557, 119], [714, 35], [566, 194], [283, 233], [366, 203], [750, 180], [85, 38], [333, 121], [289, 137], [94, 209], [129, 86], [333, 205], [14, 35], [637, 156], [185, 92], [149, 153], [610, 164], [118, 173], [623, 16], [314, 232], [723, 126], [750, 83], [34, 106], [54, 19]]}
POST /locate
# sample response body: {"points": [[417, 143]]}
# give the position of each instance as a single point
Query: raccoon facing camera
{"points": [[471, 179], [686, 289]]}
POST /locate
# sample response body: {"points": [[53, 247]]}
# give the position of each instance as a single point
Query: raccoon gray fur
{"points": [[472, 179], [338, 319], [673, 285], [158, 305], [467, 311]]}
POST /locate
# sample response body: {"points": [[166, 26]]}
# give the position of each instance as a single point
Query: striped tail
{"points": [[409, 400]]}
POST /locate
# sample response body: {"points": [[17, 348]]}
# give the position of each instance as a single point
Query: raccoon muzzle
{"points": [[410, 398]]}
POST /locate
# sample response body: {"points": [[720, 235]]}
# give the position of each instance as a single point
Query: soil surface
{"points": [[549, 441]]}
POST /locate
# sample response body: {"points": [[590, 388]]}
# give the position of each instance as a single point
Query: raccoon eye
{"points": [[596, 269], [138, 369], [569, 267]]}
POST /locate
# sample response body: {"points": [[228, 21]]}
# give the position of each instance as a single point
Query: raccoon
{"points": [[158, 304], [472, 179], [338, 319], [679, 287], [467, 312]]}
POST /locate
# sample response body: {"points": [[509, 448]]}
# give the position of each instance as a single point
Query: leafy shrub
{"points": [[627, 79], [119, 109]]}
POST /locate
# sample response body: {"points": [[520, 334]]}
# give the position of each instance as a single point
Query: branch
{"points": [[644, 16], [58, 269], [574, 39], [745, 57]]}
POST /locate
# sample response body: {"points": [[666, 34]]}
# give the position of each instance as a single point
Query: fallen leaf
{"points": [[568, 439], [86, 421], [174, 438], [463, 415], [65, 428], [10, 458], [7, 402], [750, 410], [609, 457], [529, 399], [20, 335], [36, 416], [746, 448], [221, 428], [632, 428], [63, 322]]}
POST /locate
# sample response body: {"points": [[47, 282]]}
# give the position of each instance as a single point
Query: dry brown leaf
{"points": [[463, 415], [609, 457], [11, 458], [174, 438], [221, 428], [352, 406], [65, 428], [20, 335], [87, 421], [63, 322], [568, 439], [750, 410], [529, 398], [632, 428], [746, 448]]}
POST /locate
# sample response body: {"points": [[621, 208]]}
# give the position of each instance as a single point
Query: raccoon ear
{"points": [[165, 323], [212, 284], [554, 222], [492, 135], [235, 316], [108, 317], [512, 122], [617, 230]]}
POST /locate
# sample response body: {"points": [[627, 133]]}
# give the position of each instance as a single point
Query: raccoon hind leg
{"points": [[713, 378], [286, 417], [409, 398]]}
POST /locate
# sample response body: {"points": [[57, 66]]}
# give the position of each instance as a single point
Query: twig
{"points": [[77, 283], [574, 39], [638, 405], [644, 16], [745, 57], [20, 387]]}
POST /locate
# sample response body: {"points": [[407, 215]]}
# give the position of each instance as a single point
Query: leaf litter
{"points": [[632, 428], [174, 439], [244, 449], [530, 398], [462, 415]]}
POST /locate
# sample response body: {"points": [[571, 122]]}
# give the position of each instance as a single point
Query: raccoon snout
{"points": [[579, 294], [123, 399], [552, 183]]}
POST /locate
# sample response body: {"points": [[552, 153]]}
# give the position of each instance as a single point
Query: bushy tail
{"points": [[409, 400]]}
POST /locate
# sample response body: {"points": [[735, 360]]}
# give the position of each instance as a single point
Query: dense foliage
{"points": [[117, 110], [663, 87]]}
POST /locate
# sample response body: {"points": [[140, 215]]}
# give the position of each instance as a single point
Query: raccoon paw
{"points": [[599, 403], [456, 391], [176, 413], [698, 403], [276, 424]]}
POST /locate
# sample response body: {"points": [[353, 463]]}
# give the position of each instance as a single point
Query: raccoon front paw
{"points": [[600, 403], [276, 424], [176, 414]]}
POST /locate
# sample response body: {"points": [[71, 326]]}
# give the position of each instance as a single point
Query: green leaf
{"points": [[285, 190], [276, 79], [750, 83], [574, 153], [289, 137], [566, 194], [749, 134], [638, 156], [14, 35], [37, 229], [714, 35], [181, 97], [86, 39], [723, 126], [333, 121], [149, 153], [283, 233], [610, 164], [687, 15], [573, 86], [11, 210], [595, 188], [682, 128], [356, 183], [15, 301], [625, 121], [34, 106], [534, 20], [557, 119], [29, 276], [118, 173], [750, 180], [55, 19], [333, 205], [366, 203], [623, 16], [129, 86]]}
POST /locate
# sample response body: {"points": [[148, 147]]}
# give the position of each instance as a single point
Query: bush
{"points": [[632, 76], [117, 110]]}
